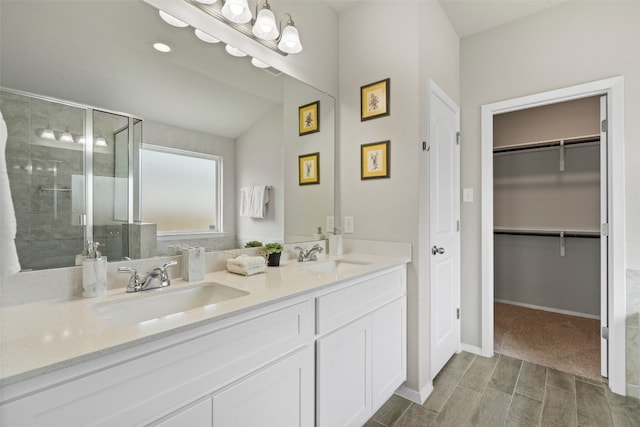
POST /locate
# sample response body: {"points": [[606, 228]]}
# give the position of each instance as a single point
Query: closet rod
{"points": [[579, 234], [547, 144]]}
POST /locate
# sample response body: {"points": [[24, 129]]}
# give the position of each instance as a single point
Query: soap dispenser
{"points": [[94, 272], [318, 235]]}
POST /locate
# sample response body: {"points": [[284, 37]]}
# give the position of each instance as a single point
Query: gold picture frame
{"points": [[375, 160], [309, 118], [309, 169], [375, 100]]}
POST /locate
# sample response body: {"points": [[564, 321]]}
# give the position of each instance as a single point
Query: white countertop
{"points": [[45, 336]]}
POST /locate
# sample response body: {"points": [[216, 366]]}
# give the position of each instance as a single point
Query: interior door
{"points": [[444, 210], [604, 240]]}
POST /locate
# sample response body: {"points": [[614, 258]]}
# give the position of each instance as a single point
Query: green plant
{"points": [[273, 248], [253, 244]]}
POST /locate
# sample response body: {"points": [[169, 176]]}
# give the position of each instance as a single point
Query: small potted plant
{"points": [[253, 244], [273, 252]]}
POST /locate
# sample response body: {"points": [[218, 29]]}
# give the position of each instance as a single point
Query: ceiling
{"points": [[470, 17]]}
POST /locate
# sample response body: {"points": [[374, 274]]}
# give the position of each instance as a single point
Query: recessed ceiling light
{"points": [[172, 20], [161, 47]]}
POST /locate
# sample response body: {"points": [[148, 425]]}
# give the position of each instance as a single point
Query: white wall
{"points": [[260, 162], [573, 43], [408, 45]]}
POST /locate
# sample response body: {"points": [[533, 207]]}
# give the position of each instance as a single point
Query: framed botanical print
{"points": [[309, 118], [309, 169], [374, 160], [374, 100]]}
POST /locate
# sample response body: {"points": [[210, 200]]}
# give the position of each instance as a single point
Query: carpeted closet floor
{"points": [[567, 343]]}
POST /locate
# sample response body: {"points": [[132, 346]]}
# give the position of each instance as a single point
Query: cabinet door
{"points": [[280, 395], [389, 354], [197, 415], [344, 375]]}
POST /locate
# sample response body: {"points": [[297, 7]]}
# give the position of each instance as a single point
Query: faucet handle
{"points": [[134, 281], [163, 269]]}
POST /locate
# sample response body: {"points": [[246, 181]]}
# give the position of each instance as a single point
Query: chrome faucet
{"points": [[156, 278], [309, 255]]}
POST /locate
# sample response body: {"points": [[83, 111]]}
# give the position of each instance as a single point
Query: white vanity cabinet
{"points": [[361, 348], [184, 379]]}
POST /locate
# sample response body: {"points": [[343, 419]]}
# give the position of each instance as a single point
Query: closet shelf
{"points": [[547, 232], [546, 144]]}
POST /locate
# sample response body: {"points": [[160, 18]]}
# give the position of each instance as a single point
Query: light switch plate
{"points": [[467, 195], [348, 224]]}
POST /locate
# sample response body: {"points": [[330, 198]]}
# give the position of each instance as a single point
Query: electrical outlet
{"points": [[330, 224], [348, 224], [467, 195]]}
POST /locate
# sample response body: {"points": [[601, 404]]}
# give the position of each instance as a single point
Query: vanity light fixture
{"points": [[172, 20], [237, 11], [100, 142], [280, 36], [47, 134], [207, 38], [264, 26], [66, 137], [234, 51], [290, 39], [162, 47], [81, 140]]}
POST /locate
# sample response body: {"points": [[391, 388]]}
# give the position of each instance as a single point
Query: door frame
{"points": [[614, 89], [436, 91]]}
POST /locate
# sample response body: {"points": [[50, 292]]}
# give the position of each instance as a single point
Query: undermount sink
{"points": [[159, 303], [332, 265]]}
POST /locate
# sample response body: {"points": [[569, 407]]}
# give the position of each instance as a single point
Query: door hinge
{"points": [[604, 229], [457, 138], [605, 332], [604, 125], [458, 225], [458, 313], [424, 146], [82, 219]]}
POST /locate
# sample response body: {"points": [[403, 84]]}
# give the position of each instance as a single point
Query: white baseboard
{"points": [[552, 310], [415, 396], [471, 349]]}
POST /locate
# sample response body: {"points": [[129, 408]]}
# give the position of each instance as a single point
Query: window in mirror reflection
{"points": [[181, 190]]}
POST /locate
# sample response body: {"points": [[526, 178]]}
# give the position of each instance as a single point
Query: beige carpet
{"points": [[567, 343]]}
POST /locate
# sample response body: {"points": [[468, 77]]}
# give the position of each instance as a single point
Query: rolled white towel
{"points": [[246, 265]]}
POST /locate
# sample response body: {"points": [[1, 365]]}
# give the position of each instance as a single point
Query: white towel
{"points": [[9, 263], [253, 201], [246, 265]]}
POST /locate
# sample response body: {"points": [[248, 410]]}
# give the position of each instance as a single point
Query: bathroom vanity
{"points": [[305, 344]]}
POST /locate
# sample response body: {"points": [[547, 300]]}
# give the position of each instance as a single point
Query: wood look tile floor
{"points": [[502, 391]]}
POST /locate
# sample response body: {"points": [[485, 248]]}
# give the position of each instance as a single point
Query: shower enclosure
{"points": [[72, 175]]}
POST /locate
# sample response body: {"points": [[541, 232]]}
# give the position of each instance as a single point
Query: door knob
{"points": [[437, 250]]}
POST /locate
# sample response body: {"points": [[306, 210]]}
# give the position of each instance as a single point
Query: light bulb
{"points": [[259, 64], [265, 26], [100, 142], [161, 47], [290, 40], [66, 137], [207, 1], [237, 11], [47, 134]]}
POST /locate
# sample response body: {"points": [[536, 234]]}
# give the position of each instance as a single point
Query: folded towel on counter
{"points": [[246, 265], [253, 201]]}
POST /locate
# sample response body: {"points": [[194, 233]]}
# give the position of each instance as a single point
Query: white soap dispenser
{"points": [[94, 272]]}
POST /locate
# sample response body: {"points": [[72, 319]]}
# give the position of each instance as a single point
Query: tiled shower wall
{"points": [[46, 198], [46, 236]]}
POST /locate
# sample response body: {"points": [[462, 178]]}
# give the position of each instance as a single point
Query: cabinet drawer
{"points": [[337, 308]]}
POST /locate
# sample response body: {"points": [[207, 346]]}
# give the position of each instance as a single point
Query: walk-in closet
{"points": [[549, 207]]}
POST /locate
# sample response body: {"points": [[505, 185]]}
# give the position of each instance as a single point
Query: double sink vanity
{"points": [[315, 343]]}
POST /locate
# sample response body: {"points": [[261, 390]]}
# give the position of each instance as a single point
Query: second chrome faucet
{"points": [[156, 278]]}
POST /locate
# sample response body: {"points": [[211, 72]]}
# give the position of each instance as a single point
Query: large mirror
{"points": [[88, 69]]}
